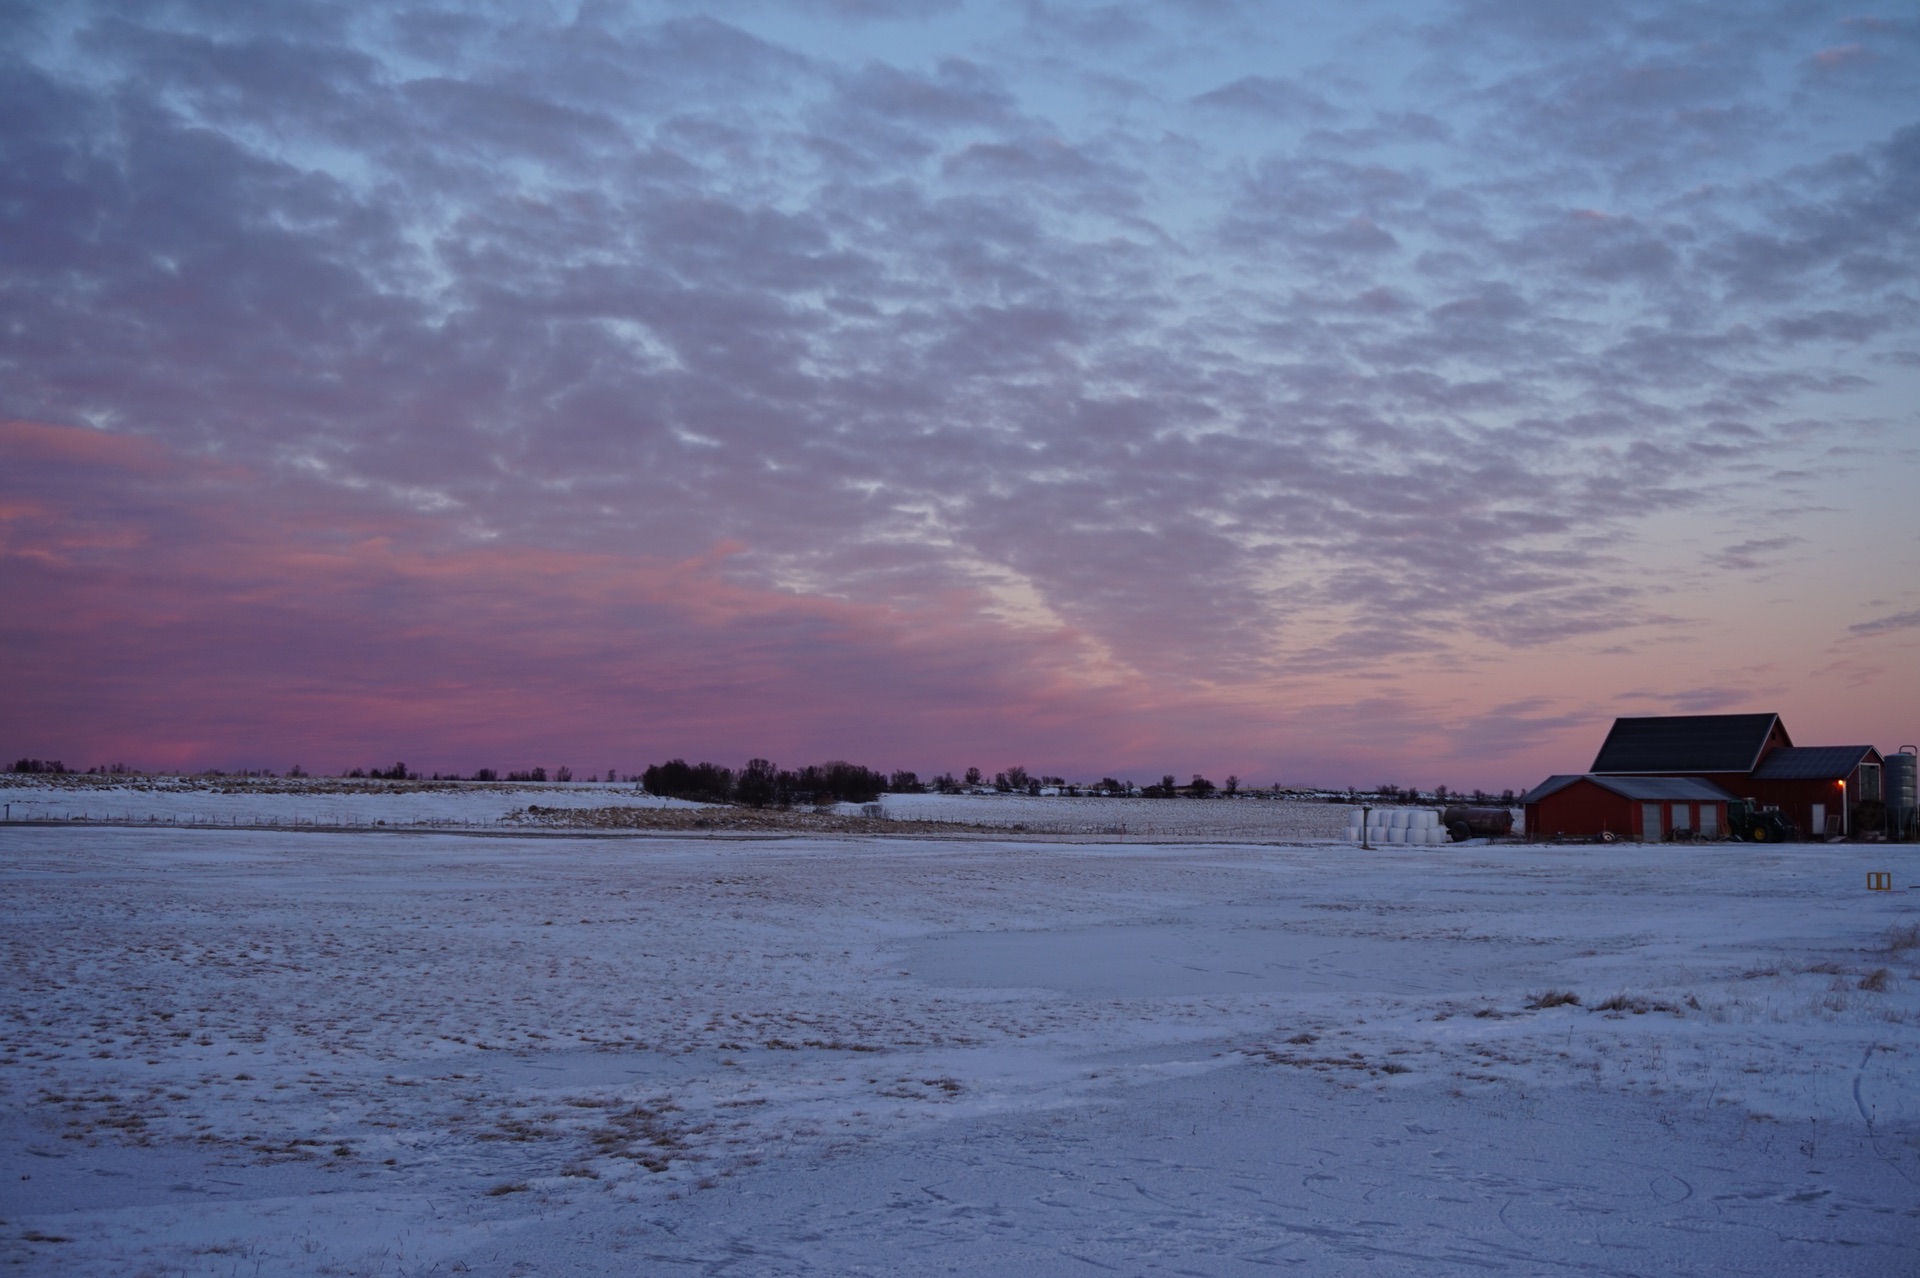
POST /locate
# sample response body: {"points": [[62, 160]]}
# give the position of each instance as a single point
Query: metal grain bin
{"points": [[1901, 787]]}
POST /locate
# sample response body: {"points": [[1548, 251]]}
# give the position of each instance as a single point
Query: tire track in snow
{"points": [[1858, 1073]]}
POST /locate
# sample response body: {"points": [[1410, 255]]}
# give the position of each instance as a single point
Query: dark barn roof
{"points": [[1677, 789], [1686, 743], [1811, 763], [1552, 785]]}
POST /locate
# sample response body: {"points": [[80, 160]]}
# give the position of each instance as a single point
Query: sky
{"points": [[1326, 395]]}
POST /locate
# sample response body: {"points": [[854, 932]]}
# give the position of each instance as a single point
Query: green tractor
{"points": [[1749, 821]]}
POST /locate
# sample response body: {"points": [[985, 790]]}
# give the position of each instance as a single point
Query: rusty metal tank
{"points": [[1477, 823]]}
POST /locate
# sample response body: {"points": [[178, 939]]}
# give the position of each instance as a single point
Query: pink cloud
{"points": [[189, 614], [1840, 55], [179, 612]]}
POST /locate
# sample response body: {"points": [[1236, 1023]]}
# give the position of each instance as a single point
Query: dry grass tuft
{"points": [[1623, 1003], [1875, 981], [1553, 998]]}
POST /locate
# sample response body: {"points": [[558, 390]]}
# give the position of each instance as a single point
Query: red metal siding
{"points": [[1582, 810], [1585, 810], [1795, 799], [1775, 739]]}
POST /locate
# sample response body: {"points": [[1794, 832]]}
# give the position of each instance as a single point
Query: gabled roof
{"points": [[1687, 743], [1680, 788], [1675, 789], [1811, 763], [1552, 785]]}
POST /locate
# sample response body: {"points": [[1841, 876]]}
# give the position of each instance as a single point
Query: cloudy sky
{"points": [[1357, 393]]}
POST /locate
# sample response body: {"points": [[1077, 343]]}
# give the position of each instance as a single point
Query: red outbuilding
{"points": [[1648, 809], [1817, 787]]}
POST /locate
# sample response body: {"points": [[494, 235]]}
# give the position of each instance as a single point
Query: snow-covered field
{"points": [[300, 801], [1252, 819], [247, 1051], [329, 801]]}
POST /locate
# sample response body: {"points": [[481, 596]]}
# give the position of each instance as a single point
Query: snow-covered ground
{"points": [[246, 1051], [332, 801], [301, 801], [1243, 818]]}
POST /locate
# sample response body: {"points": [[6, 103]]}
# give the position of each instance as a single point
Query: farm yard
{"points": [[1202, 1049]]}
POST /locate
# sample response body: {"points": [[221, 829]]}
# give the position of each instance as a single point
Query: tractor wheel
{"points": [[1460, 832], [1759, 834]]}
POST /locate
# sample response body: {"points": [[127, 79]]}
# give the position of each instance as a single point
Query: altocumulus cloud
{"points": [[1179, 374]]}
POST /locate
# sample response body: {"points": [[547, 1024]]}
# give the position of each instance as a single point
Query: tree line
{"points": [[760, 784]]}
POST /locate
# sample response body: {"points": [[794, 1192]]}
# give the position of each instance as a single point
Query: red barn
{"points": [[1645, 808], [1743, 756]]}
